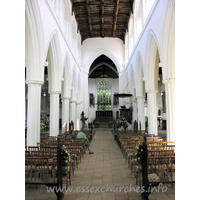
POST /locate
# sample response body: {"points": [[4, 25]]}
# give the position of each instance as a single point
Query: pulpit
{"points": [[127, 113]]}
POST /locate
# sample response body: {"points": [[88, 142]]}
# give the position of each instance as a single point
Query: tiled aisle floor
{"points": [[103, 170]]}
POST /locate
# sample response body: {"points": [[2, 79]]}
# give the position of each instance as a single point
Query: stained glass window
{"points": [[104, 95]]}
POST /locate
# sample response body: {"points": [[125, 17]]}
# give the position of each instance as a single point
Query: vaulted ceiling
{"points": [[102, 18]]}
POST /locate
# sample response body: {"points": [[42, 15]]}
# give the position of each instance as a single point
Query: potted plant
{"points": [[121, 122], [44, 124]]}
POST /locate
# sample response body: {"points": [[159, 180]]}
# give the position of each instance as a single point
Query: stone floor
{"points": [[103, 175]]}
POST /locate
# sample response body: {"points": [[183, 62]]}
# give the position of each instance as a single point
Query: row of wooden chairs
{"points": [[161, 154], [43, 157]]}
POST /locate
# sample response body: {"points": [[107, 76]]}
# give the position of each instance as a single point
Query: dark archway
{"points": [[103, 67]]}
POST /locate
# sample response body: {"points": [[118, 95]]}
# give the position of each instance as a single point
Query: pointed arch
{"points": [[34, 42], [66, 76], [152, 56], [139, 75], [169, 42], [99, 53], [55, 63], [103, 63]]}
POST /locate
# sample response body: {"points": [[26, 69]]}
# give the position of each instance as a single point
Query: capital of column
{"points": [[151, 91], [54, 92], [169, 81], [34, 82], [73, 101], [66, 98]]}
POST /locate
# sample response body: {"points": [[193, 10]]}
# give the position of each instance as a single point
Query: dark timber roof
{"points": [[102, 18]]}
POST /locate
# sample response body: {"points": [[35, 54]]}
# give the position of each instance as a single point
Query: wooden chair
{"points": [[54, 170], [35, 154], [29, 167], [129, 152], [79, 145], [27, 154], [156, 147], [170, 147], [45, 148], [172, 166], [161, 164], [33, 148], [138, 174], [42, 166]]}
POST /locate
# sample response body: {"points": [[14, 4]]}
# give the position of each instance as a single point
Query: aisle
{"points": [[105, 170]]}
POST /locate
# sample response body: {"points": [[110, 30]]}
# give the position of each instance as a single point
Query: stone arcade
{"points": [[65, 63], [79, 54]]}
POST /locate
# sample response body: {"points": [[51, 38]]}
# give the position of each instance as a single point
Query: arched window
{"points": [[137, 19], [104, 95]]}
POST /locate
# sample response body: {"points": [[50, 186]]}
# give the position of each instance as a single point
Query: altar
{"points": [[104, 113]]}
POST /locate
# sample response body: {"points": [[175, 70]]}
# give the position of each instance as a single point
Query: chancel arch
{"points": [[107, 54], [102, 85]]}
